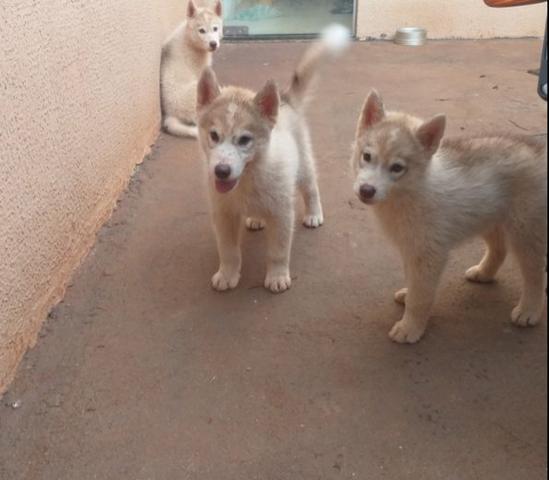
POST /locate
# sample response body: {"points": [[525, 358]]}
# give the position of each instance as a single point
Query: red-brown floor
{"points": [[144, 372]]}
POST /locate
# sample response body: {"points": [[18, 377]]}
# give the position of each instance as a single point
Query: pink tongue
{"points": [[225, 187]]}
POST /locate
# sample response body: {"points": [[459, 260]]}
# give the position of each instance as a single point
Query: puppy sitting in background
{"points": [[431, 194], [258, 153], [185, 54]]}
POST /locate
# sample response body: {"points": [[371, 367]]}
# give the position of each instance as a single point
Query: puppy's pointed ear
{"points": [[267, 102], [191, 9], [431, 132], [208, 89], [218, 8], [373, 112]]}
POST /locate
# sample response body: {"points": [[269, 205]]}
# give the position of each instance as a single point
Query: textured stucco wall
{"points": [[78, 109], [449, 18]]}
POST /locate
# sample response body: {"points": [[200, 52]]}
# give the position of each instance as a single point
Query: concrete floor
{"points": [[143, 372]]}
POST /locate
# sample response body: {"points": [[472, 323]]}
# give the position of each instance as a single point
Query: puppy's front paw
{"points": [[255, 224], [406, 332], [222, 281], [526, 316], [400, 296], [278, 283], [313, 221], [476, 275]]}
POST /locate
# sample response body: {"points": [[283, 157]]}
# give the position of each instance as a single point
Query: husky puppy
{"points": [[258, 153], [430, 194], [185, 54]]}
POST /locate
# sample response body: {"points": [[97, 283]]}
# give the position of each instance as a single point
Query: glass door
{"points": [[278, 18]]}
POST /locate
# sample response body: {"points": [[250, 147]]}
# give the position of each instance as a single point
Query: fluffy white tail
{"points": [[175, 127], [334, 41]]}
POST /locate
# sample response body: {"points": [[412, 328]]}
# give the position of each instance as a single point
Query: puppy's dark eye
{"points": [[215, 29], [397, 168], [214, 136], [202, 30], [244, 140], [367, 157]]}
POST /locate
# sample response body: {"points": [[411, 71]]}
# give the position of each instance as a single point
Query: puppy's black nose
{"points": [[213, 45], [367, 192], [222, 171]]}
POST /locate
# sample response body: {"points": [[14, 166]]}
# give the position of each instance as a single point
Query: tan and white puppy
{"points": [[258, 153], [185, 54], [431, 194]]}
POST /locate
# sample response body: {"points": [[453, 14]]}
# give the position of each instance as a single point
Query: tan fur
{"points": [[450, 190], [258, 153], [269, 171], [184, 56]]}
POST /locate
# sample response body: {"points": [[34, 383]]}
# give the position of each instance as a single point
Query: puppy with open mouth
{"points": [[258, 153]]}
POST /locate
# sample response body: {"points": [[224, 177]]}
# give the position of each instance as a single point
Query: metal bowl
{"points": [[411, 36]]}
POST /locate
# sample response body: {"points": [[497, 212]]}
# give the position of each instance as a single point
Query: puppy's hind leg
{"points": [[228, 228], [496, 251], [530, 249], [308, 185]]}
